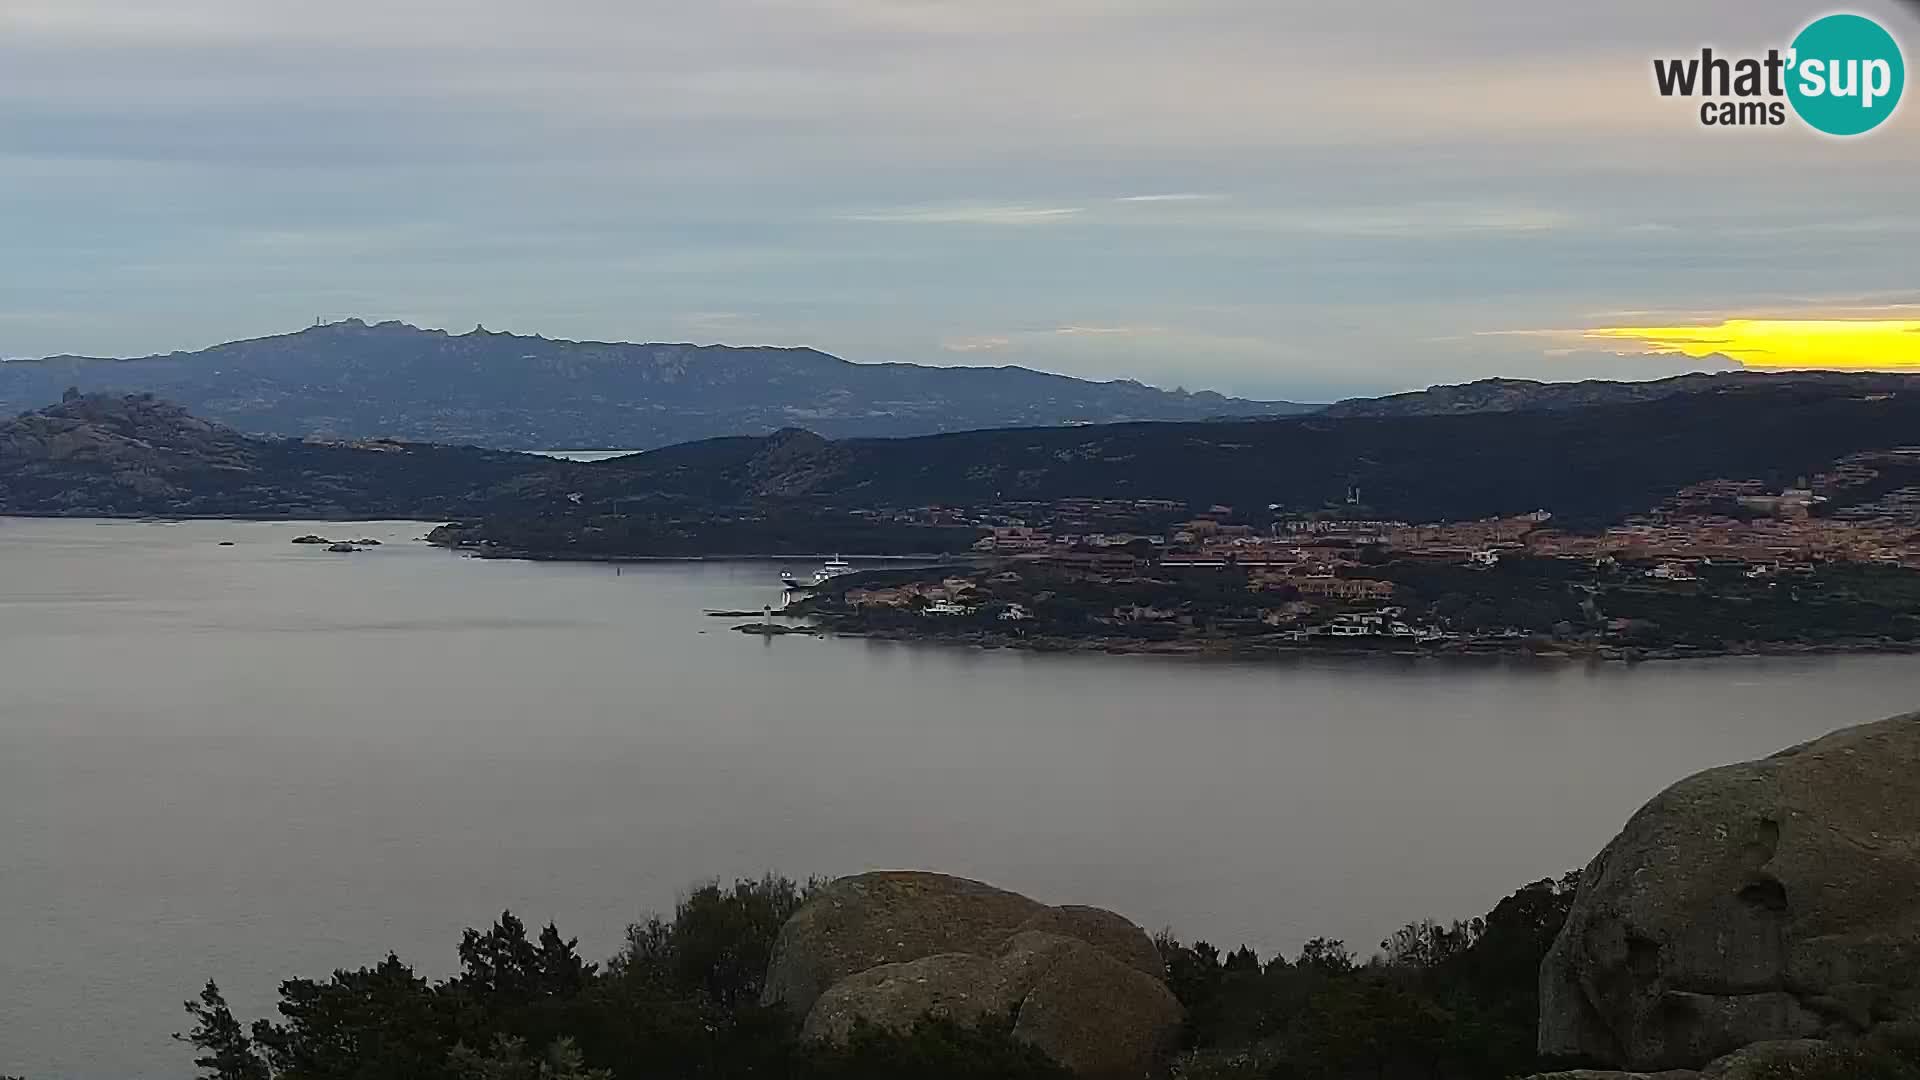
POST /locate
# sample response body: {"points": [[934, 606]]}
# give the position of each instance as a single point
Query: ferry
{"points": [[834, 567]]}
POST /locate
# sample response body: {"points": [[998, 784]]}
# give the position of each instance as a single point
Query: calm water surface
{"points": [[259, 761]]}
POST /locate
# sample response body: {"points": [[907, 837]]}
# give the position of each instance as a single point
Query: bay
{"points": [[258, 761]]}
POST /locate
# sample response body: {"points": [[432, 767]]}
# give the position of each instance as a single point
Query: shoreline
{"points": [[1210, 648], [589, 557], [244, 519], [1225, 649]]}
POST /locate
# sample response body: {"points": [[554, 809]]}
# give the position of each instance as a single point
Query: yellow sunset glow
{"points": [[1857, 344]]}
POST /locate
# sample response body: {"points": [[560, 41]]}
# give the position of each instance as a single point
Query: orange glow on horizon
{"points": [[1844, 344]]}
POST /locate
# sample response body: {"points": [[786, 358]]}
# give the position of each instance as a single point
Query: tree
{"points": [[499, 962], [562, 973], [502, 963], [1326, 955], [226, 1051], [1427, 944], [377, 1023], [509, 1061], [719, 942]]}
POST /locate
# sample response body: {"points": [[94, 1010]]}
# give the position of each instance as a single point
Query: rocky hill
{"points": [[354, 380], [134, 455], [1523, 395], [95, 454], [1587, 465]]}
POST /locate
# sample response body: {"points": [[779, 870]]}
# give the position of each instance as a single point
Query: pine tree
{"points": [[226, 1051]]}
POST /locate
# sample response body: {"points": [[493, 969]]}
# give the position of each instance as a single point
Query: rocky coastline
{"points": [[1230, 649]]}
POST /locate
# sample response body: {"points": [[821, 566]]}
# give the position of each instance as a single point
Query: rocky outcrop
{"points": [[135, 455], [1083, 985], [793, 463], [951, 986], [1761, 1061], [1771, 901], [887, 917], [133, 433], [1096, 1015], [1114, 934]]}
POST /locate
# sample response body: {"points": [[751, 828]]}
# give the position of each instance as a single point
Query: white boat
{"points": [[833, 568]]}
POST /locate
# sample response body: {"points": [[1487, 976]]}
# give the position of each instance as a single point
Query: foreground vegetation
{"points": [[681, 999]]}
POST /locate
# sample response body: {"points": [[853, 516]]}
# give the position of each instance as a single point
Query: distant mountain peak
{"points": [[354, 378], [357, 325]]}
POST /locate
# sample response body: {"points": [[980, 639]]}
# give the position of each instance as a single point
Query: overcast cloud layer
{"points": [[1269, 198]]}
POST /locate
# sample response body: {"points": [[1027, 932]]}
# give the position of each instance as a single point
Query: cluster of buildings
{"points": [[1216, 538], [1724, 521], [1781, 542], [1792, 527], [948, 597], [1679, 546], [1309, 574]]}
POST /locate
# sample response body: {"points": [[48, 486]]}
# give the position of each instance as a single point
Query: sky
{"points": [[1269, 198]]}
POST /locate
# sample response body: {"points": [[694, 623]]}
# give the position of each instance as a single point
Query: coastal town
{"points": [[1830, 561]]}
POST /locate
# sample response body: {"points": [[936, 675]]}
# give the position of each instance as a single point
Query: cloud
{"points": [[1107, 331], [716, 321], [967, 215], [1171, 197], [1437, 219], [1032, 338], [1413, 218], [1337, 196], [977, 344]]}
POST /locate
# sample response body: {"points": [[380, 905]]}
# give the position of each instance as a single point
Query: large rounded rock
{"points": [[886, 917], [1770, 901], [1082, 985], [961, 987], [1116, 935], [1098, 1016]]}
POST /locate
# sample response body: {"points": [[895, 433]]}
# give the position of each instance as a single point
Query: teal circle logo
{"points": [[1845, 74]]}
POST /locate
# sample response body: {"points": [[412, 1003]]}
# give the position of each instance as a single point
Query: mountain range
{"points": [[1592, 464], [506, 391]]}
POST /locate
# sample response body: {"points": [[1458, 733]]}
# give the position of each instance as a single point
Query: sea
{"points": [[227, 756]]}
